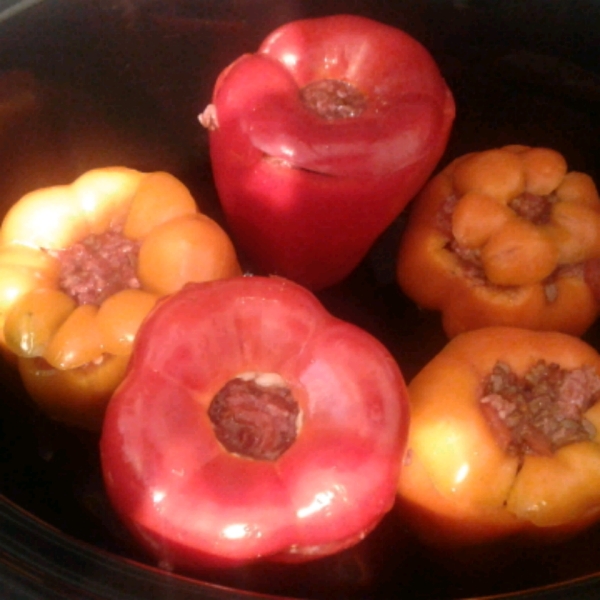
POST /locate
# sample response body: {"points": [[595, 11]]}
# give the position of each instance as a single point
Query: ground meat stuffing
{"points": [[531, 207], [333, 99], [536, 209], [471, 264], [591, 274], [97, 267], [443, 217], [541, 411], [253, 420]]}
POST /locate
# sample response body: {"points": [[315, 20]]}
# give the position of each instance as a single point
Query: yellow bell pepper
{"points": [[80, 267]]}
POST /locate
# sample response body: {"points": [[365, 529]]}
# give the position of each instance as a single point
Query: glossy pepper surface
{"points": [[253, 424], [80, 267], [320, 138], [505, 237], [467, 477]]}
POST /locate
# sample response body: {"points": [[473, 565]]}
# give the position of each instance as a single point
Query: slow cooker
{"points": [[122, 82]]}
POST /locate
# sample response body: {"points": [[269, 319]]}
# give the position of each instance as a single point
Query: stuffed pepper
{"points": [[504, 438], [80, 267], [252, 424], [505, 237], [320, 138]]}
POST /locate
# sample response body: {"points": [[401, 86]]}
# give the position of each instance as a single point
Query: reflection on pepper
{"points": [[504, 438], [80, 267], [505, 237]]}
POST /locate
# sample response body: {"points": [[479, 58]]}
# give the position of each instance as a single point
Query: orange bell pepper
{"points": [[504, 237], [488, 455], [80, 267]]}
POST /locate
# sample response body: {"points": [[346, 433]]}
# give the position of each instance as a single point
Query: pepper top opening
{"points": [[333, 99], [541, 411], [97, 267], [255, 415]]}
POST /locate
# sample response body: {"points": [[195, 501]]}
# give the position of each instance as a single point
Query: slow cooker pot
{"points": [[122, 82]]}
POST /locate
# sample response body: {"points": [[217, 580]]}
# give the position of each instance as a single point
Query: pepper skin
{"points": [[458, 485], [505, 237], [191, 498], [65, 317], [320, 138]]}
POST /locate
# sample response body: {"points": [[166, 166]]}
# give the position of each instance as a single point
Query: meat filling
{"points": [[541, 411], [255, 418], [591, 274], [97, 267], [533, 208], [333, 99]]}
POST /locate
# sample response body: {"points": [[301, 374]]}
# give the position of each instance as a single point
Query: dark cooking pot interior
{"points": [[122, 83]]}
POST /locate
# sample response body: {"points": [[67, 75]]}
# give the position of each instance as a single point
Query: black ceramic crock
{"points": [[121, 82]]}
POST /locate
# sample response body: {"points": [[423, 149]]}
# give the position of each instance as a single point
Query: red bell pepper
{"points": [[252, 423], [320, 139]]}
